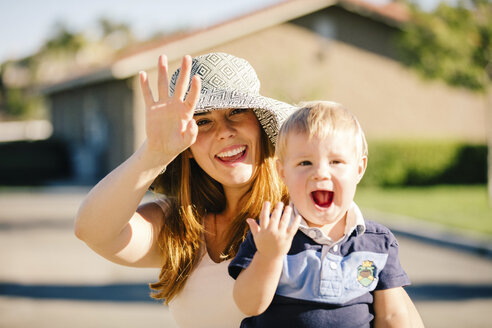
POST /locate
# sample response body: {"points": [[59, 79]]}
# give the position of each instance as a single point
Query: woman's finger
{"points": [[146, 92], [162, 82], [265, 215], [285, 219], [191, 132], [184, 77], [194, 93]]}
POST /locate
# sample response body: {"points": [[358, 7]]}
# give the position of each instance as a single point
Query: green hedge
{"points": [[33, 162], [398, 163]]}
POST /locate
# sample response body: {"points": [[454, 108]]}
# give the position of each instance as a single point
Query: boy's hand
{"points": [[273, 237]]}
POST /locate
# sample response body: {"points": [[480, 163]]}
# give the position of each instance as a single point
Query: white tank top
{"points": [[206, 299]]}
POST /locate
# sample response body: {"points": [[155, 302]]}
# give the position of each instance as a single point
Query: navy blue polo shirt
{"points": [[326, 285]]}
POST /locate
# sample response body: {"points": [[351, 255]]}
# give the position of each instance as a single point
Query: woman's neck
{"points": [[233, 197]]}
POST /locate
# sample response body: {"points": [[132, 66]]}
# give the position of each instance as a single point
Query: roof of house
{"points": [[144, 55]]}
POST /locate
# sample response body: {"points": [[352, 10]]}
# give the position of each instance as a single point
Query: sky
{"points": [[26, 24]]}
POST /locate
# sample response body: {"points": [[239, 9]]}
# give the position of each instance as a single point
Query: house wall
{"points": [[296, 64], [331, 54], [97, 123]]}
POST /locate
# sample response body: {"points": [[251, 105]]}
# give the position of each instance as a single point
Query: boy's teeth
{"points": [[231, 152]]}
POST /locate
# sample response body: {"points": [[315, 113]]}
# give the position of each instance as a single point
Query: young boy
{"points": [[317, 263]]}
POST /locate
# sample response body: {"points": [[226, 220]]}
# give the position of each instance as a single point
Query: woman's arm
{"points": [[393, 308], [415, 318], [108, 220], [255, 286]]}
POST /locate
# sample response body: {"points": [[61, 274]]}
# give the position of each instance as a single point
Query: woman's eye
{"points": [[304, 163], [238, 111], [202, 122]]}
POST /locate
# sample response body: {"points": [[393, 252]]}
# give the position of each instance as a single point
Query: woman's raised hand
{"points": [[169, 123]]}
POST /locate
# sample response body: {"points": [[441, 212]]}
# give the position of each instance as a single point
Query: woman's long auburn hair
{"points": [[192, 194]]}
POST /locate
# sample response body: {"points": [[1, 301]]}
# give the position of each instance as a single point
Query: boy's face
{"points": [[322, 175]]}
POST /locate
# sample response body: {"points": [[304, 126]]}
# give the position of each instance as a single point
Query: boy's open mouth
{"points": [[322, 198], [232, 155]]}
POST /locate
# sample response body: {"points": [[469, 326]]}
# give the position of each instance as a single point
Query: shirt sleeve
{"points": [[392, 275], [243, 257]]}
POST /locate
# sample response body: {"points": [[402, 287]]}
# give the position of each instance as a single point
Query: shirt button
{"points": [[312, 233], [335, 248], [333, 265]]}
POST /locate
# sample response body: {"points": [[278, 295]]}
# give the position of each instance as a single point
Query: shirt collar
{"points": [[355, 222]]}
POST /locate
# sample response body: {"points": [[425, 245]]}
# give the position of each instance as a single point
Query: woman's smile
{"points": [[232, 154], [227, 144]]}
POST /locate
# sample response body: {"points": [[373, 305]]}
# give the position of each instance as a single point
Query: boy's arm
{"points": [[393, 308], [255, 286]]}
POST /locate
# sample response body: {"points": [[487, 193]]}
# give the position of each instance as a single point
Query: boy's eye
{"points": [[304, 163], [335, 162]]}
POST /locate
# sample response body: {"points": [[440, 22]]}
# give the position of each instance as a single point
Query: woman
{"points": [[210, 151]]}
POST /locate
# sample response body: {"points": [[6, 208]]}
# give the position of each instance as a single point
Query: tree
{"points": [[63, 53], [454, 44]]}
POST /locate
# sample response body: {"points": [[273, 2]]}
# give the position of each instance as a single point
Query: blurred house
{"points": [[301, 50]]}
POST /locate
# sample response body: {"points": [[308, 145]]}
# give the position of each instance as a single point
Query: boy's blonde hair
{"points": [[320, 119]]}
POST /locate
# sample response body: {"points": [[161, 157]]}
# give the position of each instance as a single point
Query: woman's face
{"points": [[227, 145]]}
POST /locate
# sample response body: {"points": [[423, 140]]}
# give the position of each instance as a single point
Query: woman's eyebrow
{"points": [[201, 114]]}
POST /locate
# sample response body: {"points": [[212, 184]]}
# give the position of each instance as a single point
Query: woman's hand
{"points": [[169, 123], [273, 237]]}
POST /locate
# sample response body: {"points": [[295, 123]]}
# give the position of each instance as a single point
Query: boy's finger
{"points": [[162, 82], [184, 78], [253, 226], [146, 92], [294, 226], [265, 215], [285, 219], [276, 214]]}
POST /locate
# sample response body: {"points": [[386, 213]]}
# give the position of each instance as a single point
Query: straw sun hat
{"points": [[231, 82], [227, 82]]}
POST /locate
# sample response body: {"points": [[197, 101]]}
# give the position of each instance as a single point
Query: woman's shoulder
{"points": [[157, 210]]}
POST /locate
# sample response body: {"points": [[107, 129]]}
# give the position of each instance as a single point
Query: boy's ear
{"points": [[361, 168], [280, 168]]}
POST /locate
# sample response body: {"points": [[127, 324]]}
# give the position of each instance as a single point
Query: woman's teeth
{"points": [[232, 152]]}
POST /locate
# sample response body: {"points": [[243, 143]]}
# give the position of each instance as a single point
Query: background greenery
{"points": [[33, 162], [425, 162], [457, 206]]}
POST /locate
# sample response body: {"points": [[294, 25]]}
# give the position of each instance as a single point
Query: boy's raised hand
{"points": [[273, 236], [169, 123]]}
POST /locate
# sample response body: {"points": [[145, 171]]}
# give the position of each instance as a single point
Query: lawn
{"points": [[462, 207]]}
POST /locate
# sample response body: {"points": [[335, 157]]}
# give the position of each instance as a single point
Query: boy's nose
{"points": [[322, 172]]}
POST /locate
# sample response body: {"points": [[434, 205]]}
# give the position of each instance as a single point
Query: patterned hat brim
{"points": [[270, 113]]}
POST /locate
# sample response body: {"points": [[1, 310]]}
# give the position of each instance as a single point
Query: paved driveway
{"points": [[48, 278]]}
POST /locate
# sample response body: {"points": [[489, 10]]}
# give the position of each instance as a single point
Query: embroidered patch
{"points": [[365, 273]]}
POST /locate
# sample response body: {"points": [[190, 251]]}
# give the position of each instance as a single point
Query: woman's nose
{"points": [[225, 129]]}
